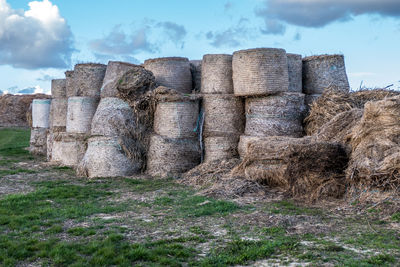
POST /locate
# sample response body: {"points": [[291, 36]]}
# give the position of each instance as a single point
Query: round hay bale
{"points": [[114, 72], [69, 83], [295, 68], [41, 113], [216, 74], [260, 71], [58, 88], [38, 141], [170, 156], [320, 72], [81, 110], [58, 112], [135, 83], [176, 119], [244, 142], [68, 148], [105, 157], [278, 115], [173, 72], [224, 115], [195, 68], [88, 79], [220, 148], [49, 144]]}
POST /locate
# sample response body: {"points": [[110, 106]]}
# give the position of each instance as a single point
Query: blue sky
{"points": [[39, 40]]}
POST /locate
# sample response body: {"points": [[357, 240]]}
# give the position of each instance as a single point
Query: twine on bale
{"points": [[216, 74], [41, 113], [80, 112]]}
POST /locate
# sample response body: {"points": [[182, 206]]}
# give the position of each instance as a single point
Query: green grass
{"points": [[15, 171], [288, 207], [13, 143]]}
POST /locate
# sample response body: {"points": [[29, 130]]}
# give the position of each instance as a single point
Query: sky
{"points": [[40, 40]]}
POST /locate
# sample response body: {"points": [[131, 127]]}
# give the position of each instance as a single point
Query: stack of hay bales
{"points": [[40, 125], [174, 148], [83, 92], [274, 104], [223, 111]]}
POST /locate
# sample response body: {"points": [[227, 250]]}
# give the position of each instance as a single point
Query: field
{"points": [[48, 216]]}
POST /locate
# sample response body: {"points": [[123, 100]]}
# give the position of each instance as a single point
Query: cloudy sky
{"points": [[39, 40]]}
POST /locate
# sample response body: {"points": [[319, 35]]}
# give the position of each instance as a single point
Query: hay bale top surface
{"points": [[87, 65], [122, 63], [323, 57], [260, 50], [294, 56], [213, 57], [69, 73], [165, 94], [162, 59]]}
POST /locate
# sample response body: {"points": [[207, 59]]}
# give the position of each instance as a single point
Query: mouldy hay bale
{"points": [[115, 70], [38, 141], [224, 115], [87, 79], [244, 142], [277, 115], [41, 113], [295, 70], [320, 72], [69, 83], [375, 158], [173, 72], [260, 71], [68, 148], [58, 112], [105, 157], [58, 88], [195, 68], [171, 156], [216, 74], [220, 147], [80, 112]]}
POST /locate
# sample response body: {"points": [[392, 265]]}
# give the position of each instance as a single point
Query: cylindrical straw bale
{"points": [[176, 119], [68, 148], [80, 113], [69, 83], [172, 156], [195, 68], [115, 70], [88, 79], [278, 115], [58, 88], [320, 72], [38, 141], [220, 147], [113, 117], [216, 75], [295, 68], [244, 142], [260, 71], [172, 72], [58, 112], [41, 113], [224, 115], [104, 157]]}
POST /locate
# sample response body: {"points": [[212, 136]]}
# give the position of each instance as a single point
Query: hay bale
{"points": [[309, 100], [69, 83], [49, 144], [295, 72], [324, 71], [173, 72], [220, 147], [68, 148], [260, 71], [277, 115], [38, 141], [195, 69], [171, 156], [28, 115], [105, 157], [244, 142], [41, 113], [58, 112], [135, 83], [115, 71], [81, 110], [375, 157], [224, 115], [216, 74], [58, 88], [88, 79], [176, 119]]}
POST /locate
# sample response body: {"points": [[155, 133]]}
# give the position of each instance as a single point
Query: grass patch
{"points": [[14, 171], [396, 217], [13, 143], [288, 207]]}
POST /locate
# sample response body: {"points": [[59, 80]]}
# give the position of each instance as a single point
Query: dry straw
{"points": [[216, 75], [260, 71], [220, 147], [58, 88], [173, 72], [68, 148], [244, 142], [80, 112], [295, 68], [41, 113], [88, 79], [58, 112], [195, 69], [38, 141], [115, 70]]}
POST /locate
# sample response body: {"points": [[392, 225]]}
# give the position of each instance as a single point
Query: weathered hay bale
{"points": [[173, 72], [260, 71], [216, 74], [115, 70], [220, 147], [58, 88], [69, 83], [244, 142], [88, 79], [38, 141], [68, 148], [375, 141], [309, 100], [41, 113], [277, 115], [195, 69], [176, 119], [106, 158], [224, 115], [171, 156], [135, 83], [324, 71], [58, 112], [81, 110], [295, 72]]}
